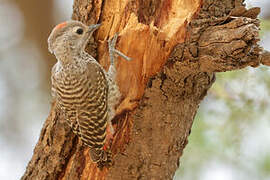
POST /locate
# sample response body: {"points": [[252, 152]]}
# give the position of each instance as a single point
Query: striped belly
{"points": [[72, 95], [85, 108]]}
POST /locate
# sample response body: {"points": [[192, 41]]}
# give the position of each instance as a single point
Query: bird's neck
{"points": [[71, 59], [68, 57]]}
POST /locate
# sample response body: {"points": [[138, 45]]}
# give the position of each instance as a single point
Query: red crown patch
{"points": [[59, 26]]}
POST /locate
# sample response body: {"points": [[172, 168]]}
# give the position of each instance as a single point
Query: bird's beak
{"points": [[93, 27]]}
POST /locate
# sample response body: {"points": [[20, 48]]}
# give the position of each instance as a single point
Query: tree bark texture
{"points": [[176, 47]]}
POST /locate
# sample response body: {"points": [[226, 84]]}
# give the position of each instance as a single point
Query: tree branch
{"points": [[265, 58], [230, 46]]}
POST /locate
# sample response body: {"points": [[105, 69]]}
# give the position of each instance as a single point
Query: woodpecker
{"points": [[85, 94]]}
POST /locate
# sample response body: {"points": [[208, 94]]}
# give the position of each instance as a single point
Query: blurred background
{"points": [[25, 67], [230, 138]]}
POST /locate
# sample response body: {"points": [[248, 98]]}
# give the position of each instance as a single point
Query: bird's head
{"points": [[69, 38]]}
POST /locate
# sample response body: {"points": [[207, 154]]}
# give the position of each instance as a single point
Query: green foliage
{"points": [[265, 26], [232, 112]]}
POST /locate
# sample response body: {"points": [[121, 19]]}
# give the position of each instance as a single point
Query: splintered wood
{"points": [[148, 42], [148, 32]]}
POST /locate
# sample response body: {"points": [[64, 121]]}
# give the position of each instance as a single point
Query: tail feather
{"points": [[95, 154], [101, 157]]}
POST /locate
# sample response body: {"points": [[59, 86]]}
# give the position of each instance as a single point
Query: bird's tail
{"points": [[101, 157]]}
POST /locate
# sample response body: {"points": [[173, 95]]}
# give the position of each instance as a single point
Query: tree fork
{"points": [[176, 47]]}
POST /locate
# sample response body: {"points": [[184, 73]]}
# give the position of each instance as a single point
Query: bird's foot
{"points": [[113, 51], [109, 136]]}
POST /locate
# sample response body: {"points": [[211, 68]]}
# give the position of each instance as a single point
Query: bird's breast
{"points": [[73, 90]]}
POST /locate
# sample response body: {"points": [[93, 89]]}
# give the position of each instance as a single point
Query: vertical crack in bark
{"points": [[163, 77], [101, 14]]}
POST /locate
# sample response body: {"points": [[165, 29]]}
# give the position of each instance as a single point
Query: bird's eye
{"points": [[79, 31]]}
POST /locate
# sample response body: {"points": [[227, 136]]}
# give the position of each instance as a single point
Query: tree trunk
{"points": [[176, 47]]}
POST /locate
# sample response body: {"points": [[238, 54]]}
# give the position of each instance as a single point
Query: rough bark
{"points": [[176, 46]]}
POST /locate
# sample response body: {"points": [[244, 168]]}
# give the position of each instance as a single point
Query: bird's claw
{"points": [[113, 51]]}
